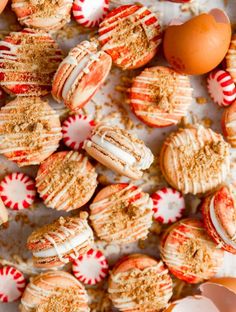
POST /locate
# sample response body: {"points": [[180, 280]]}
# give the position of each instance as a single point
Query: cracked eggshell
{"points": [[222, 292], [193, 304], [3, 4], [198, 45]]}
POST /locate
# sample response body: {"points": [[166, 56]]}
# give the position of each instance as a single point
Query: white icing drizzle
{"points": [[108, 29], [43, 145], [57, 192], [137, 228], [218, 227], [181, 100], [41, 288], [74, 239], [175, 260], [35, 18], [22, 70], [186, 137], [129, 160], [129, 302]]}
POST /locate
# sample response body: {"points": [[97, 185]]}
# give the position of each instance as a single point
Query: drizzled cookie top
{"points": [[148, 289], [43, 14], [67, 181], [198, 157], [51, 291], [130, 36], [25, 70], [123, 216], [30, 130]]}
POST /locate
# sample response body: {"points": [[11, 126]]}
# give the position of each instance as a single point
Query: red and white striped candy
{"points": [[89, 13], [90, 268], [12, 284], [168, 205], [17, 191], [221, 87], [76, 129]]}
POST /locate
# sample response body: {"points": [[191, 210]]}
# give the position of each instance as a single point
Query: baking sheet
{"points": [[110, 104]]}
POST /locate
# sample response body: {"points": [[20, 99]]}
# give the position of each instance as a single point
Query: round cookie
{"points": [[30, 130], [43, 14], [131, 35], [121, 213], [66, 181], [195, 160], [189, 252], [127, 288], [62, 241], [219, 215], [118, 150], [160, 96], [51, 290], [80, 75], [28, 71]]}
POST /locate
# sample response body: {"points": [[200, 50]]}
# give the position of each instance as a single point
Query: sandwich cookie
{"points": [[229, 124], [42, 14], [3, 213], [118, 150], [219, 216], [17, 191], [221, 88], [28, 61], [54, 291], [62, 241], [12, 284], [66, 181], [90, 13], [189, 252], [140, 283], [168, 205], [131, 34], [76, 129], [90, 268], [80, 75], [160, 97], [195, 160], [121, 213], [231, 59], [30, 131]]}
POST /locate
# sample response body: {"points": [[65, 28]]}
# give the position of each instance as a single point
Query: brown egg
{"points": [[217, 295], [200, 44], [3, 4]]}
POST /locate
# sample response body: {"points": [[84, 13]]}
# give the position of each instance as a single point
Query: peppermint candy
{"points": [[76, 129], [89, 13], [221, 87], [91, 268], [168, 205], [17, 191], [12, 284]]}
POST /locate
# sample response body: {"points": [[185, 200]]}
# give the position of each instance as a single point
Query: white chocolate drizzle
{"points": [[138, 226]]}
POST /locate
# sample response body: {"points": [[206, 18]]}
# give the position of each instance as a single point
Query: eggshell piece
{"points": [[193, 304], [3, 4], [222, 292], [200, 44]]}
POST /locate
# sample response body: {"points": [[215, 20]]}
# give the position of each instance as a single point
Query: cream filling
{"points": [[218, 226], [113, 149], [64, 248], [75, 73]]}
